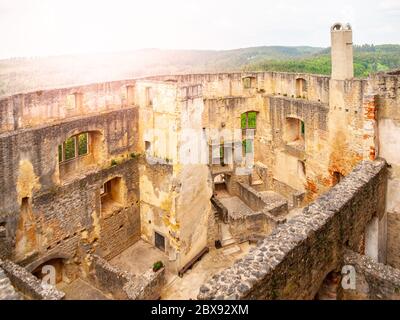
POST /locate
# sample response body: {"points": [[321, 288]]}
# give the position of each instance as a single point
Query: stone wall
{"points": [[231, 84], [65, 216], [124, 285], [313, 151], [147, 286], [22, 152], [374, 281], [27, 284], [109, 279], [263, 219], [293, 261], [47, 106], [387, 91], [258, 202], [288, 192]]}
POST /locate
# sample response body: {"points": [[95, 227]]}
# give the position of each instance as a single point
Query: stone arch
{"points": [[330, 286], [51, 267], [340, 27], [78, 150], [219, 182], [337, 26], [248, 119], [41, 261]]}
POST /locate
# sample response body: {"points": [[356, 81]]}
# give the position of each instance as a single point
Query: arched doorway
{"points": [[329, 287], [220, 184], [50, 271]]}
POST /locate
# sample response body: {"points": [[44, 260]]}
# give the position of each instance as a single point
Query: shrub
{"points": [[157, 266]]}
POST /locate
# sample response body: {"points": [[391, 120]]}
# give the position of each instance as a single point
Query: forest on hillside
{"points": [[367, 59]]}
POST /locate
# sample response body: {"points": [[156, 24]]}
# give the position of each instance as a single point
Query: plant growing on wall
{"points": [[157, 266]]}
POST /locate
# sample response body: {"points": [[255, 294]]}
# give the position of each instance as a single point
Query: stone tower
{"points": [[342, 51]]}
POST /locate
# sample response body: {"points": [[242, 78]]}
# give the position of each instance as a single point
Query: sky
{"points": [[31, 28]]}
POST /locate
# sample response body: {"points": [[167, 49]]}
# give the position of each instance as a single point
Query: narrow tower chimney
{"points": [[342, 52]]}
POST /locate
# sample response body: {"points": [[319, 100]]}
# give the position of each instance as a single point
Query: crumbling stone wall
{"points": [[231, 84], [287, 191], [48, 106], [314, 152], [27, 284], [374, 281], [293, 261], [387, 107], [257, 201], [66, 219], [124, 285]]}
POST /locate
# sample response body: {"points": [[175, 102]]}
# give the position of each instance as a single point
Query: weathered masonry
{"points": [[299, 173], [295, 259]]}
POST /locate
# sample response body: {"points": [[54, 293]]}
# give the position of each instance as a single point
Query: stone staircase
{"points": [[7, 291], [226, 237]]}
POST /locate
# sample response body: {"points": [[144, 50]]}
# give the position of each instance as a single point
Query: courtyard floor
{"points": [[81, 290], [139, 258], [215, 261]]}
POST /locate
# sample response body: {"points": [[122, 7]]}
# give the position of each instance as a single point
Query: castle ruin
{"points": [[248, 185]]}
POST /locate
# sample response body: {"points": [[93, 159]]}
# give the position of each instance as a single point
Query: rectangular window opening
{"points": [[83, 147], [159, 241], [70, 148]]}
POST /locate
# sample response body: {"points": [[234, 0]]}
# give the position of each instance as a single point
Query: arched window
{"points": [[73, 147], [78, 152], [248, 120]]}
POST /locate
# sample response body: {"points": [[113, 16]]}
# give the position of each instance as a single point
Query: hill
{"points": [[367, 59], [28, 74]]}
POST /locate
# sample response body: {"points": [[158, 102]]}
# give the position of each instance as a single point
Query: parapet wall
{"points": [[26, 283], [293, 261], [39, 107], [374, 281], [231, 84], [46, 106], [124, 285]]}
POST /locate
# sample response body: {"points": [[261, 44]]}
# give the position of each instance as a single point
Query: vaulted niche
{"points": [[51, 271], [112, 196], [78, 153], [294, 133]]}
